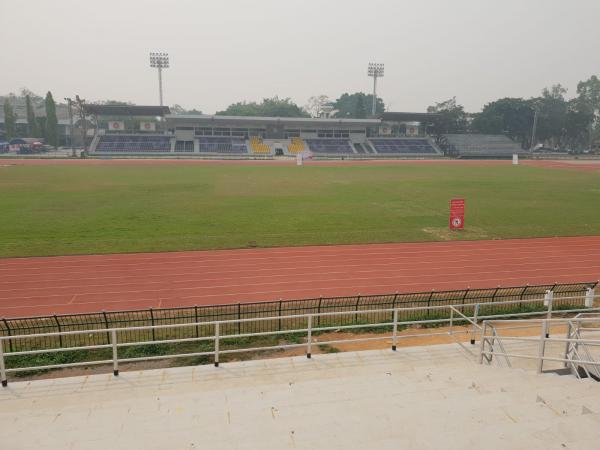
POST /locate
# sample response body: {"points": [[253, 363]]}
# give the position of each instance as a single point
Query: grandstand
{"points": [[330, 146], [392, 135], [134, 143], [420, 146], [482, 146], [224, 145], [229, 136]]}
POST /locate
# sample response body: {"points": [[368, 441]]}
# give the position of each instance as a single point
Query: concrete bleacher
{"points": [[428, 397], [414, 146], [330, 146], [483, 145], [225, 145], [124, 143]]}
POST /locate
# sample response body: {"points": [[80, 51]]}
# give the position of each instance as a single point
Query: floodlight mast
{"points": [[375, 71], [160, 61]]}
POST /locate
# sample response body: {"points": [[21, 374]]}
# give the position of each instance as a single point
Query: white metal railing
{"points": [[453, 311], [578, 354]]}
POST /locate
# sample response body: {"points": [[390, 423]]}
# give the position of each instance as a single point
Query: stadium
{"points": [[393, 135], [343, 275]]}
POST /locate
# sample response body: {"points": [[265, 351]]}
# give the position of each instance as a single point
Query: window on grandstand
{"points": [[292, 133], [184, 146], [260, 132], [240, 132], [184, 128], [358, 131], [203, 131], [333, 133], [222, 131]]}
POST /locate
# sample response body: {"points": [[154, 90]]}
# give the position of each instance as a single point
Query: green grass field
{"points": [[57, 210]]}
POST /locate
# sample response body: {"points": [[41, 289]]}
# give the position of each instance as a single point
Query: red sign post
{"points": [[457, 214]]}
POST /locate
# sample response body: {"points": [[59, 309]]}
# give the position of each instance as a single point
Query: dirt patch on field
{"points": [[445, 234]]}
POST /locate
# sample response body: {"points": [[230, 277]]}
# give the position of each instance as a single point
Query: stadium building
{"points": [[154, 130]]}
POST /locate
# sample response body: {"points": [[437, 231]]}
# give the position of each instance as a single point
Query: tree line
{"points": [[351, 106], [45, 127], [560, 122]]}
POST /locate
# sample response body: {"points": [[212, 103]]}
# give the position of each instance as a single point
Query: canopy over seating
{"points": [[126, 110]]}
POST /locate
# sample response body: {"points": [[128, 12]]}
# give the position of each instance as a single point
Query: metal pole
{"points": [[473, 329], [549, 297], [2, 367], [374, 95], [568, 343], [113, 341], [160, 89], [482, 342], [217, 331], [309, 338], [395, 332], [534, 129], [589, 298], [542, 347], [71, 127]]}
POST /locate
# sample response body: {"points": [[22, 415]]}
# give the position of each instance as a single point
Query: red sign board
{"points": [[457, 214]]}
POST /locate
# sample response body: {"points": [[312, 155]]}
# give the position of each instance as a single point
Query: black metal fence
{"points": [[525, 295]]}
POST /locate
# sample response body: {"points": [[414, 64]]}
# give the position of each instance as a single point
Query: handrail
{"points": [[468, 319], [575, 343], [322, 314], [217, 336]]}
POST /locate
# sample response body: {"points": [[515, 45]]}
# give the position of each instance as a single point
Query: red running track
{"points": [[71, 284]]}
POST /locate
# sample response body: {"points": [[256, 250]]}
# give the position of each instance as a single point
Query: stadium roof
{"points": [[266, 120], [408, 116], [127, 110]]}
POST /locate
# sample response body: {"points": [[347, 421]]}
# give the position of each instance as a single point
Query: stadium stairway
{"points": [[440, 397], [94, 143]]}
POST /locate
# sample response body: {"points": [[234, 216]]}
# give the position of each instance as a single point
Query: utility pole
{"points": [[534, 128], [70, 103]]}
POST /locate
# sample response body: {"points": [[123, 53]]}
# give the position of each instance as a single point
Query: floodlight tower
{"points": [[159, 61], [375, 71]]}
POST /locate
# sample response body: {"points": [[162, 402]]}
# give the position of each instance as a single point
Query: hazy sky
{"points": [[223, 51]]}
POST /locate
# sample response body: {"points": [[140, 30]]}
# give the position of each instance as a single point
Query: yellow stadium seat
{"points": [[258, 146], [296, 146]]}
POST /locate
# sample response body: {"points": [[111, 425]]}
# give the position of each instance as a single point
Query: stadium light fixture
{"points": [[376, 71], [160, 61]]}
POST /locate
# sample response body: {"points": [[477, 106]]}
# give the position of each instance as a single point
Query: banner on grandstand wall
{"points": [[116, 125], [385, 129], [457, 214], [147, 126]]}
